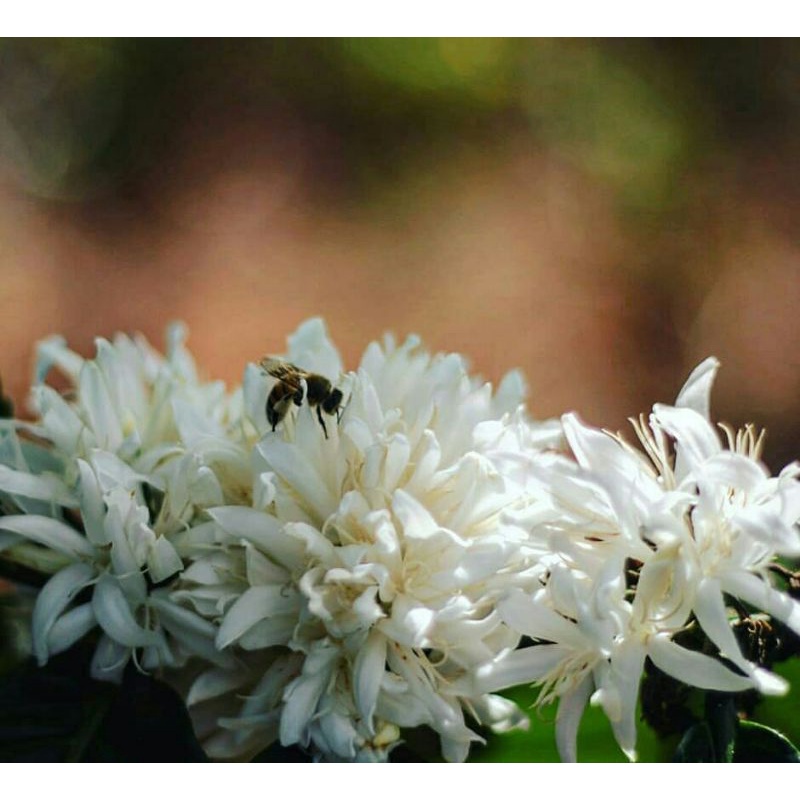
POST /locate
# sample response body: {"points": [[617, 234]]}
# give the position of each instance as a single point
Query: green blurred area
{"points": [[89, 115], [596, 742], [595, 738]]}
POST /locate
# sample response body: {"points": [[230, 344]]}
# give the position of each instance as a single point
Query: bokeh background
{"points": [[600, 213]]}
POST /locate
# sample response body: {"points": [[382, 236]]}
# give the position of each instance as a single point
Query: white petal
{"points": [[416, 520], [262, 530], [62, 425], [54, 597], [518, 667], [100, 409], [790, 494], [70, 627], [277, 630], [255, 389], [50, 533], [205, 489], [317, 547], [311, 348], [713, 618], [38, 487], [533, 619], [398, 450], [193, 426], [426, 460], [570, 710], [53, 351], [303, 693], [752, 590], [109, 660], [115, 616], [162, 560], [696, 392], [195, 633], [510, 393], [124, 562], [622, 474], [500, 713], [764, 525], [177, 354], [733, 469], [293, 466], [93, 509], [694, 669], [260, 570], [410, 623], [368, 670], [256, 604], [696, 440], [405, 710], [113, 473], [215, 682], [596, 450], [627, 666]]}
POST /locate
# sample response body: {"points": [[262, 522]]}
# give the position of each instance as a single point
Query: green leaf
{"points": [[58, 713], [722, 722], [780, 713], [419, 745], [757, 743], [696, 746], [277, 753]]}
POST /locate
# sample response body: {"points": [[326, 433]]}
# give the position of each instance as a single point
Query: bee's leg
{"points": [[271, 417], [322, 421], [298, 398]]}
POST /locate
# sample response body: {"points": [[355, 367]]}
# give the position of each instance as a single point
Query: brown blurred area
{"points": [[602, 214]]}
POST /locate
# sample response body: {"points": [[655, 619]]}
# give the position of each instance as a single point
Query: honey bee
{"points": [[320, 393]]}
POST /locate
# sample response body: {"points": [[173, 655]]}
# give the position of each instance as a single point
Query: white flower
{"points": [[642, 544], [144, 409], [336, 586], [388, 544], [137, 452]]}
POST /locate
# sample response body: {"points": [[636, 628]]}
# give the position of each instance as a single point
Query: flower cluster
{"points": [[644, 546], [103, 493], [335, 585], [368, 567]]}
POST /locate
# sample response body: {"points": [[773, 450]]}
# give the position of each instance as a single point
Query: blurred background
{"points": [[600, 213]]}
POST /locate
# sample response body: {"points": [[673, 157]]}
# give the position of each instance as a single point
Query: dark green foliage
{"points": [[723, 724], [58, 713], [723, 738], [277, 753], [697, 745], [418, 745], [757, 743]]}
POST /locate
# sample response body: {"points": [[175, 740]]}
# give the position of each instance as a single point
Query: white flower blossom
{"points": [[643, 545], [336, 586], [137, 450], [384, 548]]}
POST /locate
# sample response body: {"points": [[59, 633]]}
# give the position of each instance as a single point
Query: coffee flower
{"points": [[332, 559], [382, 551], [122, 467], [643, 546]]}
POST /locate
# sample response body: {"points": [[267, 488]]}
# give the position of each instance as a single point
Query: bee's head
{"points": [[332, 401]]}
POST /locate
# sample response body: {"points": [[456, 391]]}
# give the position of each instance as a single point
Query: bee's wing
{"points": [[282, 370]]}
